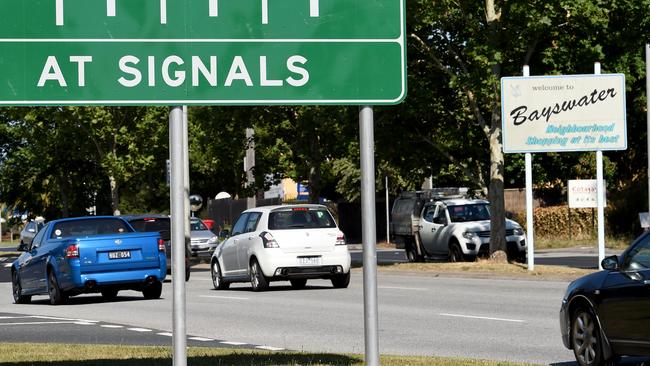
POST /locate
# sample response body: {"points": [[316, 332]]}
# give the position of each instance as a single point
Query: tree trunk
{"points": [[314, 170], [63, 189], [115, 196]]}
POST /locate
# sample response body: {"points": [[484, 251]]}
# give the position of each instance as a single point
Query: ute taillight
{"points": [[161, 245], [340, 239], [72, 251]]}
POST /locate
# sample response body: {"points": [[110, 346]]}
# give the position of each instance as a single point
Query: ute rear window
{"points": [[299, 219], [82, 228]]}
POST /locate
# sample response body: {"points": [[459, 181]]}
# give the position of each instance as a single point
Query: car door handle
{"points": [[251, 237]]}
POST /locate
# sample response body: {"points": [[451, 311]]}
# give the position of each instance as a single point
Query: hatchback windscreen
{"points": [[300, 218], [474, 212], [150, 224]]}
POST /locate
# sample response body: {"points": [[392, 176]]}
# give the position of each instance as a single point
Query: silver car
{"points": [[29, 232], [202, 240]]}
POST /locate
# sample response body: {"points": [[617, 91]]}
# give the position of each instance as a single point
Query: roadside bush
{"points": [[553, 222]]}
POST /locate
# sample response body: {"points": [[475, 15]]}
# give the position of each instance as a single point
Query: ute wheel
{"points": [[455, 253], [341, 281], [109, 294], [412, 252], [298, 283], [57, 297], [585, 337], [258, 280], [152, 291], [17, 290], [217, 279]]}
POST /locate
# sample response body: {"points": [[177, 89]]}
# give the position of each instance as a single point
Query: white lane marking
{"points": [[7, 265], [14, 317], [201, 339], [165, 334], [141, 330], [68, 319], [483, 317], [269, 348], [83, 323], [37, 323], [111, 326], [225, 297], [403, 288], [234, 343]]}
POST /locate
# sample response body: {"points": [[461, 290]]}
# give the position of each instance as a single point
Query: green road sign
{"points": [[172, 52]]}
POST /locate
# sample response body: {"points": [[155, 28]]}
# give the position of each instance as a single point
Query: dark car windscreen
{"points": [[300, 218], [89, 227], [150, 224], [473, 212]]}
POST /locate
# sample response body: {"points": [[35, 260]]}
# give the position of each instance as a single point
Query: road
{"points": [[418, 315]]}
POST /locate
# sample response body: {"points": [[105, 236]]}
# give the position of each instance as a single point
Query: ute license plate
{"points": [[122, 254], [309, 261]]}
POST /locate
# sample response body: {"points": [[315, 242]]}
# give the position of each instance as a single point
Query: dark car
{"points": [[162, 224], [606, 314]]}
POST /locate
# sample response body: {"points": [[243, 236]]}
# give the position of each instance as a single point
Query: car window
{"points": [[197, 225], [150, 224], [299, 217], [89, 227], [428, 213], [639, 257], [440, 217], [38, 239], [31, 226], [253, 220], [471, 212], [240, 224]]}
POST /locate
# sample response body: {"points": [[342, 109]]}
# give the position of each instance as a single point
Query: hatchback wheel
{"points": [[217, 279], [341, 281], [57, 297], [586, 338], [258, 280], [17, 290]]}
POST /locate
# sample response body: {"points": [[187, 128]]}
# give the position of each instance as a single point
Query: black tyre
{"points": [[455, 253], [187, 274], [341, 281], [109, 294], [258, 280], [217, 278], [585, 337], [412, 252], [298, 283], [57, 297], [17, 290], [152, 291]]}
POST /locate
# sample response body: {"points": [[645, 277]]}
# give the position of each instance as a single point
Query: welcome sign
{"points": [[563, 113]]}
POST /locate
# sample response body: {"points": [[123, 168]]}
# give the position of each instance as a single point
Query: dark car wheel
{"points": [[57, 297], [17, 289], [109, 294], [217, 279], [153, 291], [187, 274], [258, 280], [341, 281], [298, 283], [455, 253], [585, 337]]}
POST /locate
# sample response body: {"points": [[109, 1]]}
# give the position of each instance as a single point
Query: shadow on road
{"points": [[625, 361]]}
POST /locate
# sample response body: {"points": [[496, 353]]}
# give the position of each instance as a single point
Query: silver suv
{"points": [[29, 232]]}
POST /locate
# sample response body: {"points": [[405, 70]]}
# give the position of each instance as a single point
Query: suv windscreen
{"points": [[471, 212], [299, 218]]}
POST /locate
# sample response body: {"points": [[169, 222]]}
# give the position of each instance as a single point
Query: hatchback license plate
{"points": [[122, 254], [309, 261]]}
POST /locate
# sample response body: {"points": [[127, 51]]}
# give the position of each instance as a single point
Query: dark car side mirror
{"points": [[610, 263], [22, 247], [224, 234]]}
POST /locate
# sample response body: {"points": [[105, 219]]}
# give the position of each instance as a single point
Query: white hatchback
{"points": [[280, 243]]}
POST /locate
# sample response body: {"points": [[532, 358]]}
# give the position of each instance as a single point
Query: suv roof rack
{"points": [[438, 193]]}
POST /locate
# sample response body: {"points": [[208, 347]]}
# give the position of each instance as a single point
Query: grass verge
{"points": [[24, 354], [486, 268], [558, 243]]}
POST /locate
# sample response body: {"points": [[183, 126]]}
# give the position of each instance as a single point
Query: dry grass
{"points": [[557, 243], [24, 354], [487, 268]]}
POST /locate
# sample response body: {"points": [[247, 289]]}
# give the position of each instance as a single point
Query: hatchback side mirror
{"points": [[610, 263]]}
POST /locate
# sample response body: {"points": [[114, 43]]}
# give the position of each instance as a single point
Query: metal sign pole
{"points": [[600, 189], [387, 214], [371, 318], [530, 228], [647, 88], [179, 338]]}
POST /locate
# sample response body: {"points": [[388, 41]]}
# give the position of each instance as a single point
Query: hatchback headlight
{"points": [[518, 231], [469, 235]]}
